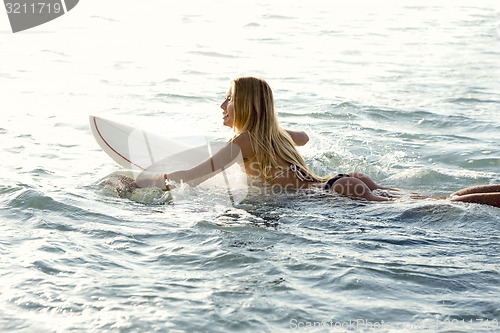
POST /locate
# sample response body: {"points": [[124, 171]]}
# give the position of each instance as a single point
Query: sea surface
{"points": [[406, 92]]}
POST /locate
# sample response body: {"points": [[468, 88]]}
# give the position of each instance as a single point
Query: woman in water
{"points": [[269, 153]]}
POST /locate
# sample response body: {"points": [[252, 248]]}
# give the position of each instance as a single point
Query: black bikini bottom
{"points": [[332, 181]]}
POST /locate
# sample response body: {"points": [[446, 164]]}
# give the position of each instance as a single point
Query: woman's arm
{"points": [[299, 137], [221, 160]]}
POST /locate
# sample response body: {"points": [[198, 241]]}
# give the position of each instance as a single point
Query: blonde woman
{"points": [[269, 152]]}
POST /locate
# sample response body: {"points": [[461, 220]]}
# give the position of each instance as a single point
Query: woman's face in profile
{"points": [[228, 110]]}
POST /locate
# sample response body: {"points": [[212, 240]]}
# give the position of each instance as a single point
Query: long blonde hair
{"points": [[254, 114]]}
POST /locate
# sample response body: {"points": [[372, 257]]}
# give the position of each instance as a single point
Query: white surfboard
{"points": [[140, 150]]}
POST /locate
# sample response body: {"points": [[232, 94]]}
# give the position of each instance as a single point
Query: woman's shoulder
{"points": [[244, 141], [299, 138]]}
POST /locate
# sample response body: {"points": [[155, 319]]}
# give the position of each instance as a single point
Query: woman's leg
{"points": [[354, 187], [369, 182], [477, 189], [485, 194], [491, 198]]}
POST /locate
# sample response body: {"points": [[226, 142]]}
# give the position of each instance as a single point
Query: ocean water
{"points": [[408, 93]]}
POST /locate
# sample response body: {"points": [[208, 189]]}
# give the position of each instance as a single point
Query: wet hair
{"points": [[254, 114]]}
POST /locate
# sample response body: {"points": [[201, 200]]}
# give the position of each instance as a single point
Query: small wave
{"points": [[9, 189], [214, 54], [278, 17], [481, 163], [46, 267], [252, 25], [41, 172], [396, 115], [166, 97], [6, 76], [56, 53], [28, 204], [171, 80], [32, 199], [344, 111], [470, 100], [108, 19], [415, 179], [430, 212]]}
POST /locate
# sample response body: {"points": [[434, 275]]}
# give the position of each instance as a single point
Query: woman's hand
{"points": [[155, 180]]}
